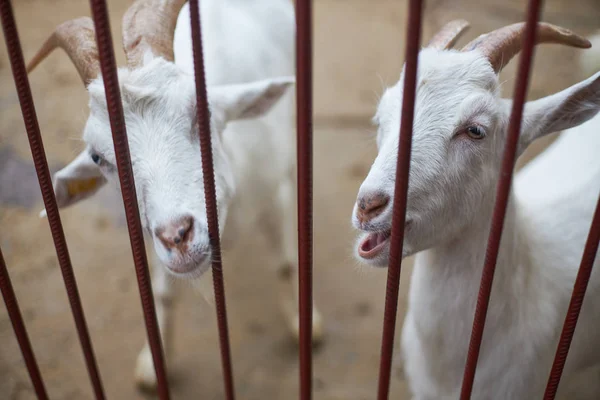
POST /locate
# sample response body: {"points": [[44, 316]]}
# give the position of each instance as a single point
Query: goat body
{"points": [[546, 226], [249, 65], [458, 140]]}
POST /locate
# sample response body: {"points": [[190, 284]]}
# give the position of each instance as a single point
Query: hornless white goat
{"points": [[459, 133], [249, 61]]}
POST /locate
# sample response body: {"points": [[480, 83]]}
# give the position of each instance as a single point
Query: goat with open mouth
{"points": [[458, 138]]}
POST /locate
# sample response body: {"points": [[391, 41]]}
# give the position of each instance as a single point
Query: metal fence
{"points": [[304, 158]]}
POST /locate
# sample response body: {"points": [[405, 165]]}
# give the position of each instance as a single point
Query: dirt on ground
{"points": [[359, 48]]}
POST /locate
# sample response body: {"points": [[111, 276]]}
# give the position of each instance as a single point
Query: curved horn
{"points": [[77, 39], [448, 35], [150, 25], [501, 45]]}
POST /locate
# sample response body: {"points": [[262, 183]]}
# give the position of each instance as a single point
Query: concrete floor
{"points": [[358, 49]]}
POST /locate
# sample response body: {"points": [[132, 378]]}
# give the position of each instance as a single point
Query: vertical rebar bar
{"points": [[12, 306], [36, 144], [304, 150], [210, 198], [581, 283], [502, 196], [413, 38], [108, 67]]}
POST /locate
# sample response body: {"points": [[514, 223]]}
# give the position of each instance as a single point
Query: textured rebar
{"points": [[12, 306], [502, 195], [581, 282], [413, 37], [108, 67], [210, 197], [36, 144], [304, 150]]}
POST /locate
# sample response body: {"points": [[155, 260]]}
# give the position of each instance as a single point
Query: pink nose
{"points": [[177, 234], [370, 206]]}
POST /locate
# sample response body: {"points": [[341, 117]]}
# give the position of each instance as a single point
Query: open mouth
{"points": [[372, 245]]}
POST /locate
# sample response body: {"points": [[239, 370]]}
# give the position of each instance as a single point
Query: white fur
{"points": [[451, 194], [249, 61]]}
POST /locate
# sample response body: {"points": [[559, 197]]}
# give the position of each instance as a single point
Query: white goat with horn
{"points": [[458, 140], [249, 56]]}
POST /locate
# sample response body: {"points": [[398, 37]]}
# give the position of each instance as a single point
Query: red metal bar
{"points": [[581, 283], [413, 35], [12, 306], [108, 67], [304, 154], [36, 144], [502, 194], [210, 198]]}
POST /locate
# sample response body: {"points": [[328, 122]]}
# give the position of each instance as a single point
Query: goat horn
{"points": [[501, 45], [76, 37], [448, 35], [149, 25]]}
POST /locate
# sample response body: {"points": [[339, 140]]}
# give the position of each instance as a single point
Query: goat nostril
{"points": [[362, 205], [371, 206], [177, 233], [378, 208], [185, 229]]}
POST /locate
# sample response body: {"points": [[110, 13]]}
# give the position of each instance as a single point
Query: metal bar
{"points": [[304, 150], [108, 67], [581, 283], [12, 306], [413, 35], [210, 198], [36, 144], [502, 195]]}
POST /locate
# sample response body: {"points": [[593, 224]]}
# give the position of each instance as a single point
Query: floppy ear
{"points": [[77, 181], [248, 100], [560, 111]]}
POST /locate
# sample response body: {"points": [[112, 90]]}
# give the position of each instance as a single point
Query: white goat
{"points": [[249, 57], [459, 134]]}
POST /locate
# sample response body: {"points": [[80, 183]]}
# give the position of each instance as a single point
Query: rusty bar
{"points": [[413, 35], [108, 67], [12, 306], [304, 150], [208, 175], [581, 283], [502, 193], [36, 144]]}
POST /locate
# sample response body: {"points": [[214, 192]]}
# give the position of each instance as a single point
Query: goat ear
{"points": [[77, 181], [249, 100], [560, 111]]}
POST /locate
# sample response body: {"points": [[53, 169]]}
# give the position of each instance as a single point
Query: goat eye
{"points": [[96, 158], [475, 132]]}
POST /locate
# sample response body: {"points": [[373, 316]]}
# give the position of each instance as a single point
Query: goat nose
{"points": [[371, 205], [176, 234]]}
